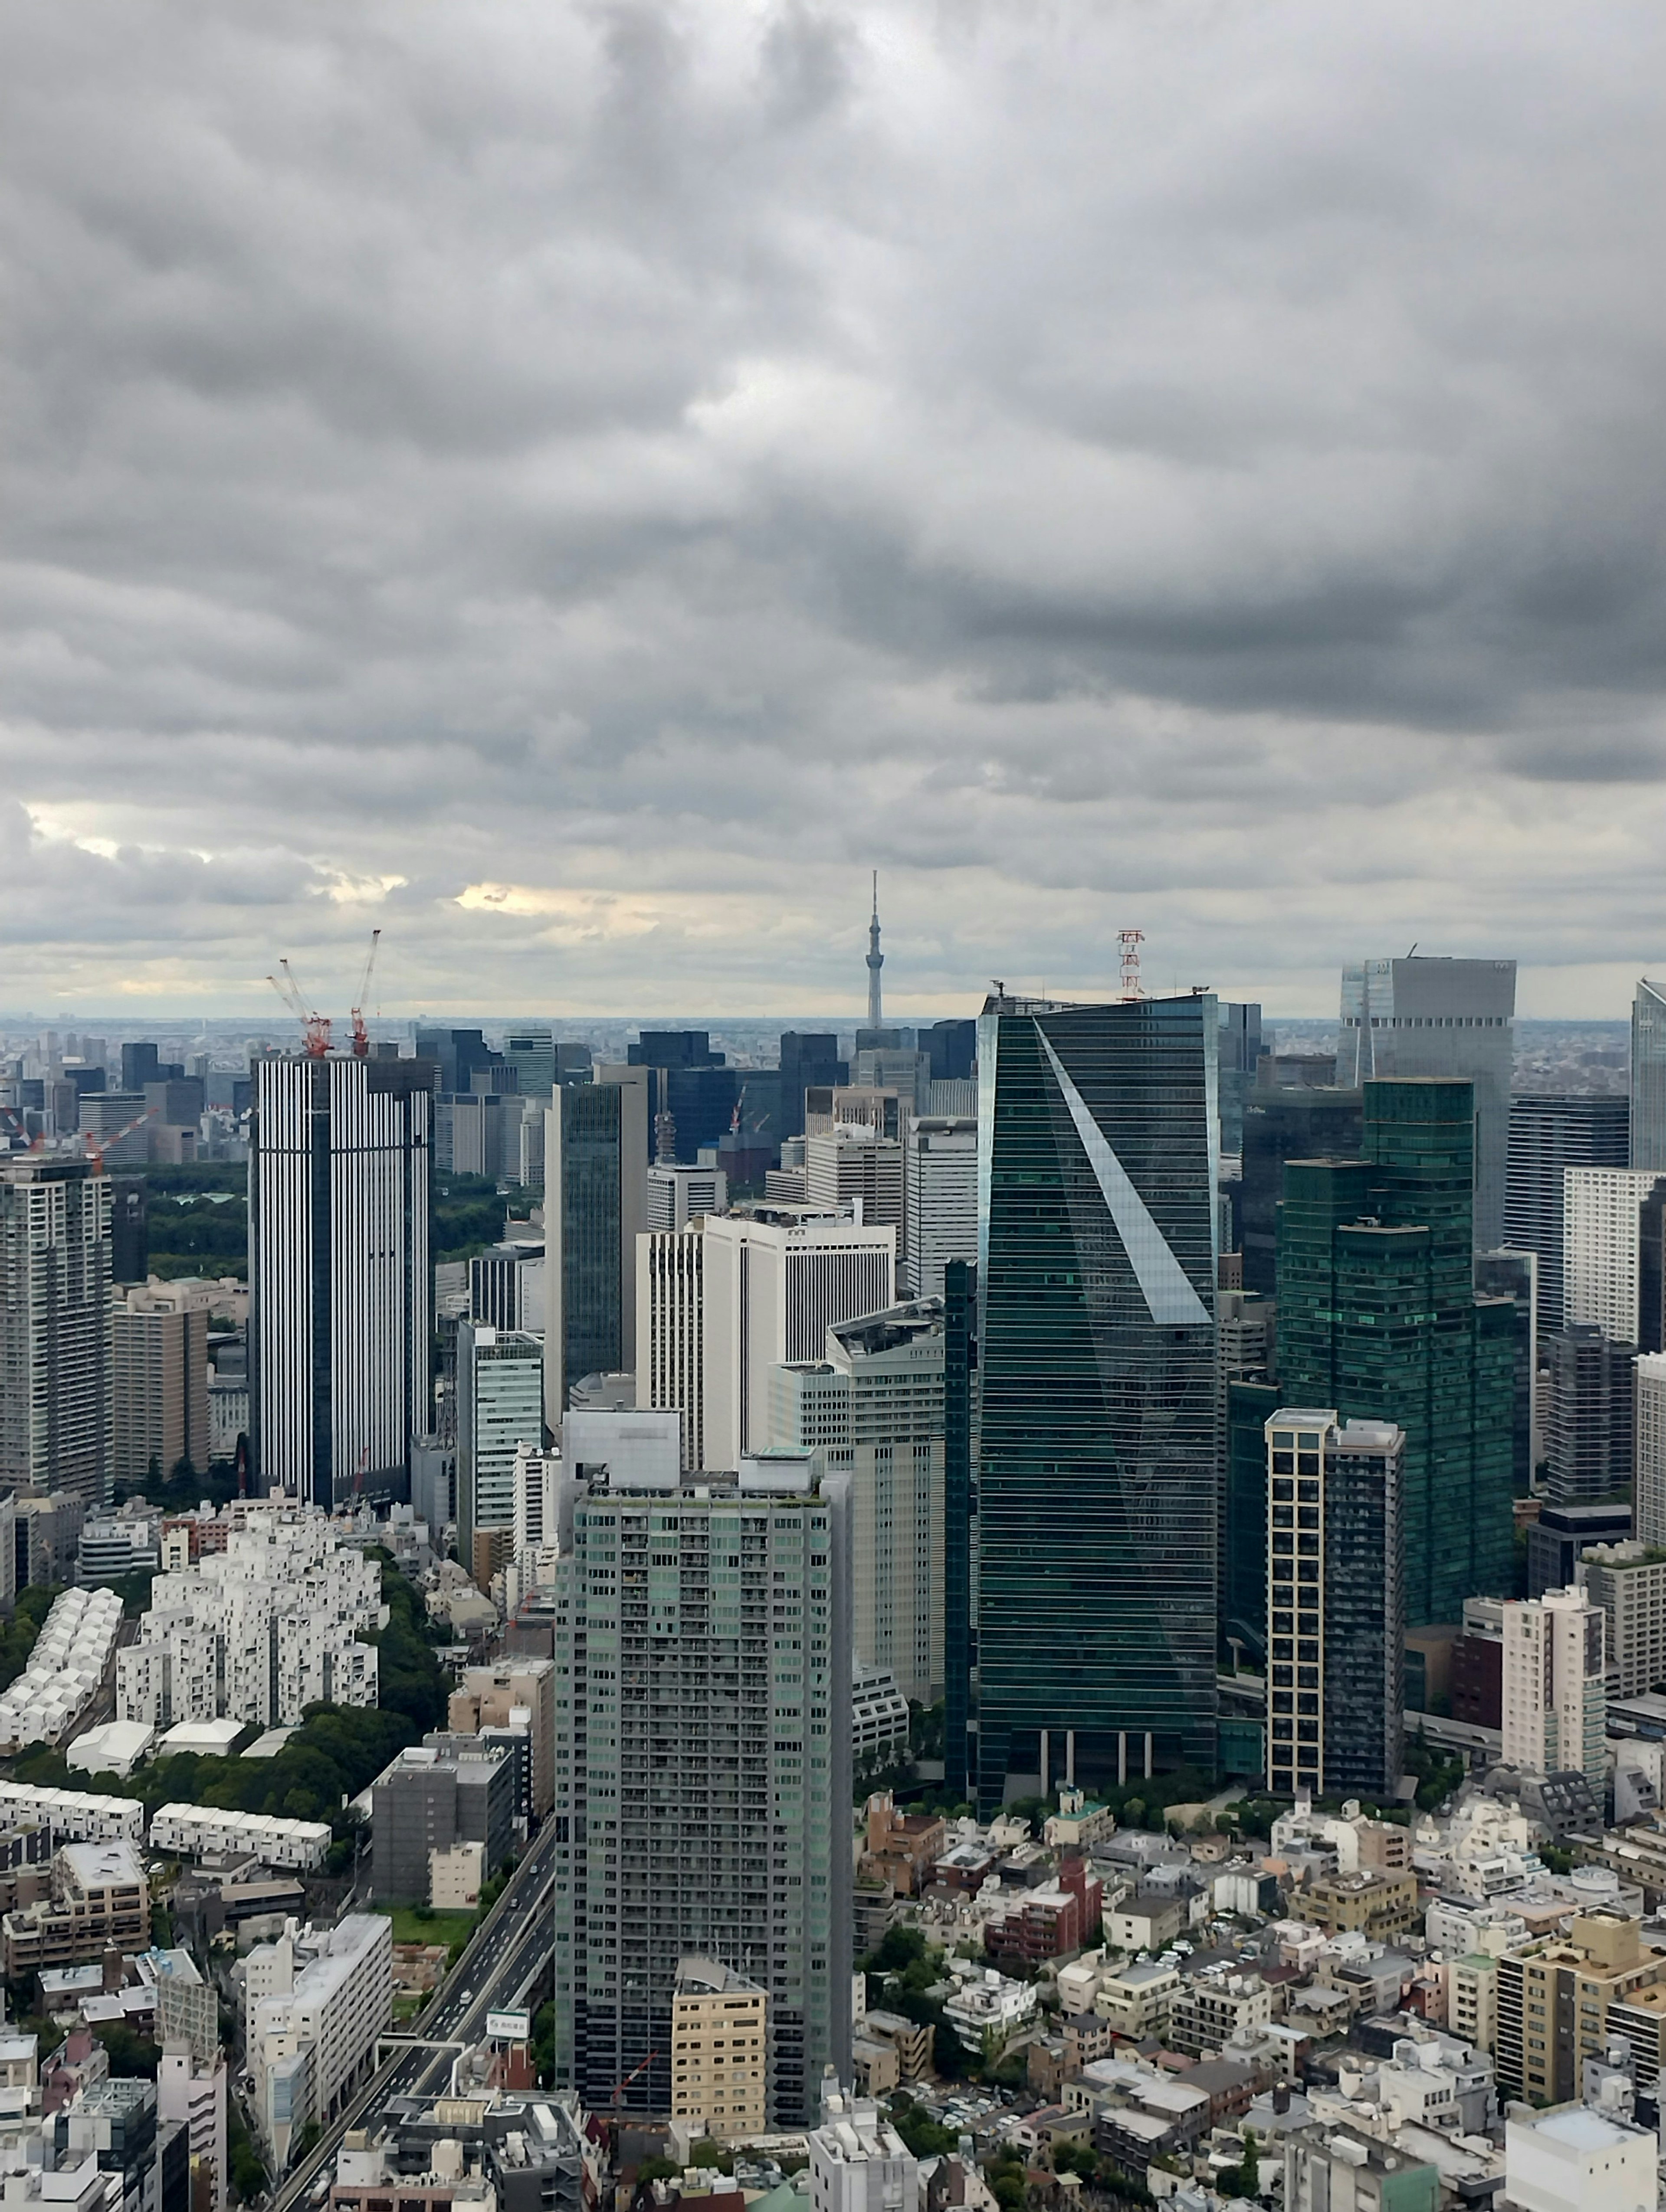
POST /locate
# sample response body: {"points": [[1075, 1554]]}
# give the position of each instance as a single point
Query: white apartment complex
{"points": [[314, 2005], [941, 1221], [194, 1831], [75, 1816], [258, 1631], [1602, 1246], [1555, 1695], [66, 1669]]}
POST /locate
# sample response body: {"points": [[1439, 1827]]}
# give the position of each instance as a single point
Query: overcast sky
{"points": [[580, 486]]}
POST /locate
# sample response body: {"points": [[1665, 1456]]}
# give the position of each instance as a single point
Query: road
{"points": [[505, 1957]]}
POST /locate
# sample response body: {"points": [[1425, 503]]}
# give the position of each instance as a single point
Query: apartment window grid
{"points": [[1295, 1608]]}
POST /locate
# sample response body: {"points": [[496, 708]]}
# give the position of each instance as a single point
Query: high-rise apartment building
{"points": [[1589, 1977], [1097, 1470], [771, 1285], [595, 1206], [1589, 1432], [1303, 1123], [1648, 1099], [1336, 1605], [940, 1199], [1390, 1235], [1628, 1581], [1555, 1695], [56, 1399], [159, 1386], [873, 1407], [702, 1773], [500, 1407], [340, 1285], [851, 1169], [1649, 1448], [1423, 1016], [1548, 1135], [1614, 1232]]}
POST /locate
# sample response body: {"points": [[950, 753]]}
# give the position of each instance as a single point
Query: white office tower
{"points": [[1648, 1449], [500, 1407], [1604, 1252], [677, 1195], [858, 2162], [875, 1405], [940, 1175], [56, 1409], [1423, 1015], [340, 1317], [538, 1500], [852, 1169], [1556, 1693], [670, 1330], [703, 1772]]}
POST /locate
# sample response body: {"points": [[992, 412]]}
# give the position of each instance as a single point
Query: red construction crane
{"points": [[314, 1026], [98, 1145], [620, 2088], [361, 1034]]}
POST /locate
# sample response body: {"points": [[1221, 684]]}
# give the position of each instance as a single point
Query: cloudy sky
{"points": [[579, 486]]}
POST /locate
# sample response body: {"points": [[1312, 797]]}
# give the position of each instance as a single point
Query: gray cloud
{"points": [[580, 485]]}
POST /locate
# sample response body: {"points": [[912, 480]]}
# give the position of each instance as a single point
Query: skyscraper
{"points": [[340, 1287], [1555, 1697], [595, 1205], [1588, 1433], [859, 1171], [500, 1407], [876, 961], [1648, 1114], [1336, 1605], [1421, 1016], [1377, 1316], [1097, 1470], [1612, 1262], [703, 1772], [806, 1058], [1649, 1448], [873, 1408], [1548, 1135], [55, 1371], [940, 1195], [1309, 1123]]}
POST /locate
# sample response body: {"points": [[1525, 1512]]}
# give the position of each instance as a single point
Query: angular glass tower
{"points": [[1377, 1318], [1649, 1076], [1097, 1448]]}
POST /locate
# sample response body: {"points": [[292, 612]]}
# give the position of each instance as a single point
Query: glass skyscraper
{"points": [[1649, 1076], [1097, 1450], [1378, 1318]]}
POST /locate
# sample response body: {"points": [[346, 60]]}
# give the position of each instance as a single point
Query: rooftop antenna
{"points": [[1131, 941]]}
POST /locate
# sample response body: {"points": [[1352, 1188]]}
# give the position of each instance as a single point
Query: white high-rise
{"points": [[340, 1289], [874, 1405], [1555, 1689], [55, 1406], [500, 1407], [856, 1169], [774, 1284], [940, 1174], [670, 1331], [1649, 1449], [1602, 1249], [678, 1195]]}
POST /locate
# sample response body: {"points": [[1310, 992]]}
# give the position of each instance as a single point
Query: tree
{"points": [[1249, 2166]]}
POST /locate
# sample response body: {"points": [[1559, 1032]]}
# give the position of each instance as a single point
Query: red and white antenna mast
{"points": [[1131, 941]]}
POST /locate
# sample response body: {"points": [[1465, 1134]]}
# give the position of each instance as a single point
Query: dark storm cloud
{"points": [[580, 484]]}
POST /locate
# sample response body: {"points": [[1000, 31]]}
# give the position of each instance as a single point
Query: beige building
{"points": [[455, 1876], [100, 1902], [1553, 2003], [720, 2026], [159, 1367], [1472, 1999], [1139, 2000], [857, 1168], [519, 1692], [1379, 1906]]}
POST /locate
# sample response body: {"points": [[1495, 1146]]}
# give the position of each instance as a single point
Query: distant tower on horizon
{"points": [[876, 961]]}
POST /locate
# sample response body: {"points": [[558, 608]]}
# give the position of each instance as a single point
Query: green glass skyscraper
{"points": [[1096, 1452], [1377, 1318]]}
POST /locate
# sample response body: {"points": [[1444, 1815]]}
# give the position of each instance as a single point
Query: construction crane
{"points": [[314, 1026], [98, 1145], [620, 2088], [361, 1034]]}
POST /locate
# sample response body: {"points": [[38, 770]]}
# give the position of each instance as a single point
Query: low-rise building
{"points": [[455, 1877], [858, 2162], [1138, 2000], [987, 2009], [196, 1831], [1572, 2159], [1337, 2166], [1146, 1919], [432, 1797], [1210, 2008], [1379, 1906], [902, 1848], [720, 2027], [100, 1902]]}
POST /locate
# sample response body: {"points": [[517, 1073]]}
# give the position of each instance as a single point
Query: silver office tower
{"points": [[703, 1772], [1423, 1016], [340, 1288], [1649, 1076], [55, 1341], [1096, 1468]]}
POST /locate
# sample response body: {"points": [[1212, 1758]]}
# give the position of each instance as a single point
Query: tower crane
{"points": [[314, 1026], [361, 1034], [98, 1146]]}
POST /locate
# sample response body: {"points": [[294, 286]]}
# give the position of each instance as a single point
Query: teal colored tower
{"points": [[1377, 1316]]}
